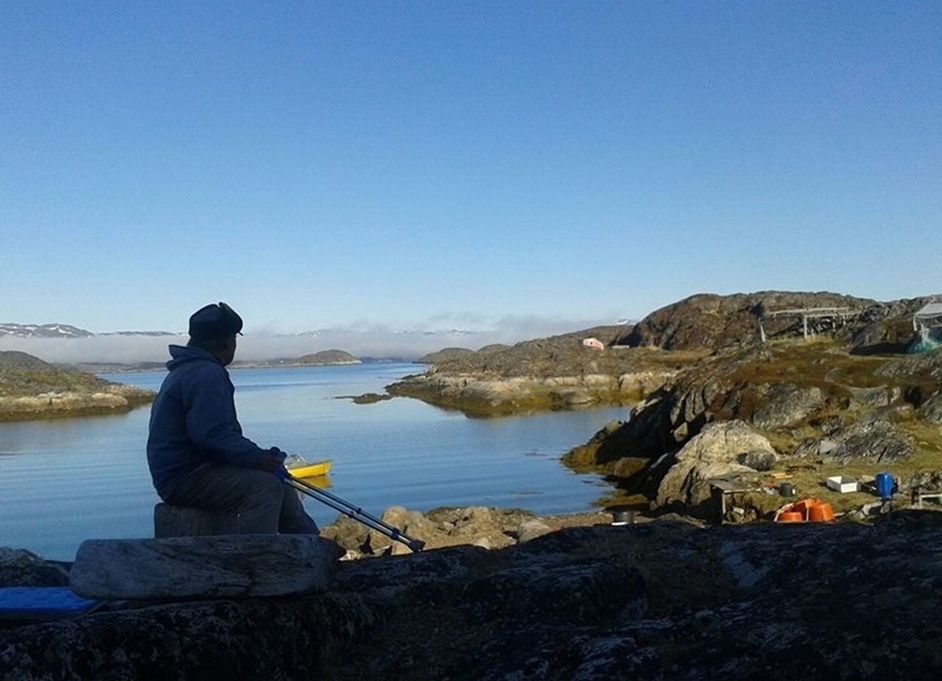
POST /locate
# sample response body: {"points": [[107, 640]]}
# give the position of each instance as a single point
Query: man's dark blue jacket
{"points": [[193, 421]]}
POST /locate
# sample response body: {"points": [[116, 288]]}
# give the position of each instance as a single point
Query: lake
{"points": [[63, 481]]}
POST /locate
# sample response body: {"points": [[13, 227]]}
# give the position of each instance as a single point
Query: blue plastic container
{"points": [[884, 485]]}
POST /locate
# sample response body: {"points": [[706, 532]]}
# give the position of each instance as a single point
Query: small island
{"points": [[328, 358], [33, 389]]}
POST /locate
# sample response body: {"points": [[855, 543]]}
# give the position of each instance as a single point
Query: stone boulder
{"points": [[442, 527], [203, 567], [531, 529], [712, 453], [876, 397], [759, 459], [19, 567], [411, 523], [349, 534], [872, 440], [931, 409], [787, 404]]}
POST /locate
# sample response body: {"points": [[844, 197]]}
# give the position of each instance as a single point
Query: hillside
{"points": [[31, 388], [538, 358], [714, 322], [560, 373]]}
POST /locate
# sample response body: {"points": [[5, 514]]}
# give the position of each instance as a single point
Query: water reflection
{"points": [[67, 480]]}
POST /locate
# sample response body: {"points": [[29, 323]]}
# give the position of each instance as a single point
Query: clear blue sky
{"points": [[450, 164]]}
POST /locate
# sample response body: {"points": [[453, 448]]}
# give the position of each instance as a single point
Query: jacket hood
{"points": [[182, 354]]}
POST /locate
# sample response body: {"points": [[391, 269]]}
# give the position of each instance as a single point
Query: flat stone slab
{"points": [[221, 566]]}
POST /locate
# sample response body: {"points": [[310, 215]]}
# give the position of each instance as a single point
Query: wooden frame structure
{"points": [[813, 317]]}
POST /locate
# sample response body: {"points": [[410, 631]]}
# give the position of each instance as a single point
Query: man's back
{"points": [[193, 420]]}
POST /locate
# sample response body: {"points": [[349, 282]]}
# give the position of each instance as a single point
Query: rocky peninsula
{"points": [[850, 402], [745, 386], [33, 389], [543, 374]]}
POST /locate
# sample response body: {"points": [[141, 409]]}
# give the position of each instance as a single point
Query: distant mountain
{"points": [[141, 333], [314, 333], [43, 331], [66, 331], [129, 347]]}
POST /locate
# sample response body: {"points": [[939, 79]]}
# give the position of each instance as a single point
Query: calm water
{"points": [[64, 481]]}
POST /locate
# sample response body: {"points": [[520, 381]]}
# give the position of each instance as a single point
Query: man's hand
{"points": [[271, 461]]}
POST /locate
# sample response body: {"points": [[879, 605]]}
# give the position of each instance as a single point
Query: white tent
{"points": [[928, 317]]}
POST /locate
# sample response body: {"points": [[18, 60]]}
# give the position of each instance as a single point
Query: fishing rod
{"points": [[350, 510]]}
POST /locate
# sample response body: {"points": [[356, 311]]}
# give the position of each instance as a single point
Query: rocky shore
{"points": [[739, 387], [782, 412], [33, 389], [478, 395], [544, 374], [653, 601]]}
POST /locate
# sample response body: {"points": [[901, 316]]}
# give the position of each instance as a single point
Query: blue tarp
{"points": [[933, 341], [27, 602]]}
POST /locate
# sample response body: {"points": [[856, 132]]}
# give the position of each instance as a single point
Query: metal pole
{"points": [[352, 511]]}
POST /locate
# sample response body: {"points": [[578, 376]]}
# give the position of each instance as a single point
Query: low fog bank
{"points": [[377, 342]]}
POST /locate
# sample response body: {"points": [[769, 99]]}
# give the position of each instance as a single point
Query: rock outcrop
{"points": [[202, 567], [539, 375], [647, 602], [708, 320], [811, 400], [490, 396], [713, 321], [713, 452], [24, 568], [446, 527]]}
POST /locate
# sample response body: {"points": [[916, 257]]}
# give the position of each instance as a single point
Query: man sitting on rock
{"points": [[197, 454]]}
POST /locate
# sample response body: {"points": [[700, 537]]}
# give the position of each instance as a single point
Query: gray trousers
{"points": [[264, 504]]}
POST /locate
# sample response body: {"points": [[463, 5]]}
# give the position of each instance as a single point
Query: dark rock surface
{"points": [[23, 568], [643, 602]]}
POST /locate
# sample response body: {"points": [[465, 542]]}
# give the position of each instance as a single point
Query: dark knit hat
{"points": [[214, 321]]}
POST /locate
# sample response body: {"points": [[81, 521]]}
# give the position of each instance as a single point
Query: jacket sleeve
{"points": [[211, 421]]}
